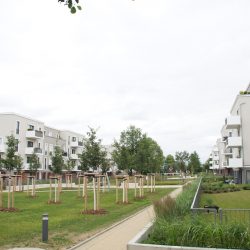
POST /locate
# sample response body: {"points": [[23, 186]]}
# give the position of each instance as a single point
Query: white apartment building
{"points": [[234, 144], [35, 137]]}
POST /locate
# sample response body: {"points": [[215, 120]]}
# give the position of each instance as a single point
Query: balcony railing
{"points": [[235, 163], [232, 122], [34, 134], [38, 151], [234, 142], [74, 157]]}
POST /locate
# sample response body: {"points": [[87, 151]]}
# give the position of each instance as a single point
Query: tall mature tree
{"points": [[34, 164], [149, 156], [194, 165], [125, 150], [182, 159], [93, 154], [12, 161], [57, 161], [169, 163]]}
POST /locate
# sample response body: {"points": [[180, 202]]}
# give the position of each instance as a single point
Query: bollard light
{"points": [[45, 224]]}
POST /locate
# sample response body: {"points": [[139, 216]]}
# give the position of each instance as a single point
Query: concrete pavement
{"points": [[117, 237]]}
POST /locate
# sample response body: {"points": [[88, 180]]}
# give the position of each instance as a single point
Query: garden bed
{"points": [[176, 228]]}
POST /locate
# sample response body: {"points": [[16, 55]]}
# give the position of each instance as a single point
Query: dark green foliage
{"points": [[169, 164], [57, 161], [94, 155], [137, 151], [194, 164], [12, 161], [72, 5]]}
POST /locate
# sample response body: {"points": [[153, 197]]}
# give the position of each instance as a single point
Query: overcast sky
{"points": [[171, 67]]}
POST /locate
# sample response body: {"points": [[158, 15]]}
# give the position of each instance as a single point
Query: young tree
{"points": [[169, 163], [70, 164], [181, 159], [94, 154], [34, 164], [57, 161], [194, 165], [19, 163], [12, 161], [124, 154]]}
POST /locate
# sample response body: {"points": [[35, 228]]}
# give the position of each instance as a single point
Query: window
{"points": [[16, 149], [73, 151], [45, 163], [50, 133], [17, 127], [30, 144], [28, 159], [73, 138], [31, 128], [1, 140]]}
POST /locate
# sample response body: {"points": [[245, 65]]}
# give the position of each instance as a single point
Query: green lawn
{"points": [[238, 199], [66, 223]]}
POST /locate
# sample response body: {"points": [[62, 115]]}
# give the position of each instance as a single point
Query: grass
{"points": [[238, 199], [66, 223], [171, 182]]}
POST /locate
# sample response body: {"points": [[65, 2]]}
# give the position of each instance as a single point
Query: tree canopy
{"points": [[12, 161], [194, 164], [94, 154], [57, 161], [169, 164], [182, 159], [136, 151], [34, 163]]}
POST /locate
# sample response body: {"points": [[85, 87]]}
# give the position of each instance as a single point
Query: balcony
{"points": [[227, 152], [2, 148], [34, 134], [38, 151], [80, 144], [235, 163], [74, 144], [31, 150], [74, 157], [234, 142], [215, 157], [232, 122]]}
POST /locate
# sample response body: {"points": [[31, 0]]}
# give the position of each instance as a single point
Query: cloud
{"points": [[172, 68]]}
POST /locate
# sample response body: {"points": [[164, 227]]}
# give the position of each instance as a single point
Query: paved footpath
{"points": [[117, 237]]}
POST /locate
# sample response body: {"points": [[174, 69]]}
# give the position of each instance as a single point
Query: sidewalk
{"points": [[116, 238]]}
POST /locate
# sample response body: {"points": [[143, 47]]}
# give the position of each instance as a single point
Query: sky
{"points": [[170, 67]]}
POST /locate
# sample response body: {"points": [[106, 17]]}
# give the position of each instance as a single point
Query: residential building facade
{"points": [[234, 144], [35, 137]]}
